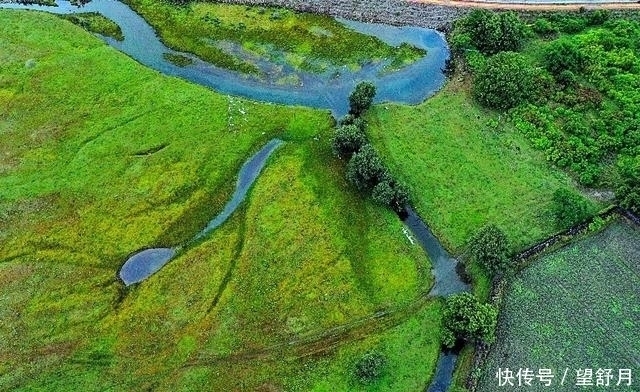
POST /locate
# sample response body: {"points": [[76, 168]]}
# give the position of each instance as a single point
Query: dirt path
{"points": [[527, 6]]}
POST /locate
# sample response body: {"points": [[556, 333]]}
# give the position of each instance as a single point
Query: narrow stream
{"points": [[149, 261], [447, 282], [411, 84]]}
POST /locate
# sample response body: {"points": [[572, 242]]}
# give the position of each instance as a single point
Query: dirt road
{"points": [[521, 6]]}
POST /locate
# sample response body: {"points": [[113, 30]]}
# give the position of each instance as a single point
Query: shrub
{"points": [[563, 55], [350, 119], [490, 247], [465, 318], [361, 98], [347, 140], [569, 208], [628, 193], [491, 32], [506, 81], [365, 169], [544, 28], [370, 367], [388, 192]]}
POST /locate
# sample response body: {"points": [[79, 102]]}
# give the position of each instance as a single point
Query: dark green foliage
{"points": [[569, 208], [347, 140], [370, 367], [465, 318], [507, 80], [544, 28], [390, 193], [598, 17], [365, 169], [350, 119], [563, 55], [491, 32], [628, 193], [490, 247], [361, 98]]}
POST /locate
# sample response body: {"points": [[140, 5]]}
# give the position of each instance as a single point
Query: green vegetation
{"points": [[466, 167], [569, 208], [361, 98], [561, 312], [96, 23], [490, 248], [370, 367], [178, 59], [347, 140], [233, 36], [582, 108], [465, 318], [283, 295], [489, 32]]}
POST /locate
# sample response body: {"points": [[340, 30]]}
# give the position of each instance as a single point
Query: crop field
{"points": [[129, 159], [575, 308], [235, 37]]}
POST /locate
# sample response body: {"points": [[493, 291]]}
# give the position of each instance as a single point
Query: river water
{"points": [[412, 84]]}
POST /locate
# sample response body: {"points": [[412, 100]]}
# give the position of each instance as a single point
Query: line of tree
{"points": [[365, 169]]}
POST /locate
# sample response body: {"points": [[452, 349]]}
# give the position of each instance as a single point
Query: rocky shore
{"points": [[393, 12]]}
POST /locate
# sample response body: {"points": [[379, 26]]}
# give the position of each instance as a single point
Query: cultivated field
{"points": [[576, 308]]}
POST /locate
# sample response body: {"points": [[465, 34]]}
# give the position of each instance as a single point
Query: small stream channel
{"points": [[145, 263], [411, 84]]}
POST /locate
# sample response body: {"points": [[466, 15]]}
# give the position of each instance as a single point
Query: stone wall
{"points": [[394, 12]]}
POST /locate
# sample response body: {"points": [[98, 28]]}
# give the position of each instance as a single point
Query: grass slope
{"points": [[562, 313], [465, 168], [234, 37], [100, 163]]}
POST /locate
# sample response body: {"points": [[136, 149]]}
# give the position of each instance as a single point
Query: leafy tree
{"points": [[507, 80], [390, 193], [350, 119], [490, 247], [370, 367], [491, 32], [365, 169], [543, 27], [569, 208], [465, 318], [362, 97], [562, 55], [628, 193], [347, 140]]}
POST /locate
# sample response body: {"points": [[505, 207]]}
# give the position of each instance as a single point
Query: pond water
{"points": [[411, 84], [147, 262]]}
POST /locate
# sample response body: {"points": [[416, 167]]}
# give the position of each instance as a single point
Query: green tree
{"points": [[370, 367], [465, 318], [563, 55], [365, 169], [490, 247], [491, 32], [361, 97], [507, 80], [569, 208], [388, 192], [628, 193], [347, 140]]}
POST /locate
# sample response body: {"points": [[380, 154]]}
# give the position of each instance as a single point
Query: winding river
{"points": [[411, 84]]}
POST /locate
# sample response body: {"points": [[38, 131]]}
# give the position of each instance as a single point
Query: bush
{"points": [[390, 193], [490, 247], [628, 193], [569, 208], [491, 32], [563, 55], [465, 318], [365, 169], [506, 81], [347, 140], [361, 98], [350, 119], [370, 367], [544, 28]]}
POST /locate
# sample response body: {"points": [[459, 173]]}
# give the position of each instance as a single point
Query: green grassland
{"points": [[231, 36], [98, 164], [561, 312], [466, 167]]}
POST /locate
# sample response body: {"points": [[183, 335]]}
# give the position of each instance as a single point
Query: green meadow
{"points": [[102, 157]]}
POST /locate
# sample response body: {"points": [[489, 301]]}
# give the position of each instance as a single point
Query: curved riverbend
{"points": [[145, 263], [412, 84]]}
